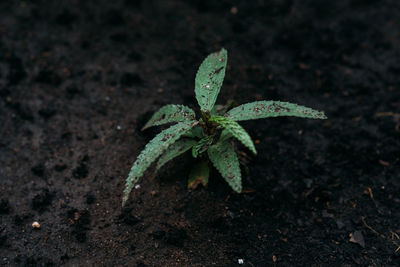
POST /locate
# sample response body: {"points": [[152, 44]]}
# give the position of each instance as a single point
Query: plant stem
{"points": [[208, 127]]}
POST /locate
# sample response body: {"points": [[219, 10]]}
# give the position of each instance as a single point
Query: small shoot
{"points": [[211, 132], [199, 175]]}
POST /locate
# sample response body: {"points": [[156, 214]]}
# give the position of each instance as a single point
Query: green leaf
{"points": [[152, 151], [264, 109], [195, 132], [170, 113], [225, 160], [198, 148], [199, 175], [236, 130], [220, 110], [225, 135], [209, 79], [176, 149]]}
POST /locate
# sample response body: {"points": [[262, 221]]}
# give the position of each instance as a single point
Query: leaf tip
{"points": [[238, 189], [124, 200]]}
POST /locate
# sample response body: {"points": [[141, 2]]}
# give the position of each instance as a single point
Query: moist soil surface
{"points": [[79, 79]]}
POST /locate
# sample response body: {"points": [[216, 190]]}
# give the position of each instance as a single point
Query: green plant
{"points": [[211, 133]]}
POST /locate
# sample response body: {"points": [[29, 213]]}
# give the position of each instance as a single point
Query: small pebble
{"points": [[35, 225], [118, 127], [234, 10], [240, 261], [137, 186]]}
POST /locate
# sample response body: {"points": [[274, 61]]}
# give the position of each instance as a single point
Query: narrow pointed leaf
{"points": [[152, 151], [225, 135], [220, 110], [216, 110], [199, 175], [264, 109], [209, 79], [225, 160], [236, 130], [199, 147], [195, 132], [175, 150], [170, 113]]}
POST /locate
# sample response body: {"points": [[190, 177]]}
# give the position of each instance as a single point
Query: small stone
{"points": [[340, 224], [234, 10], [240, 261], [358, 238], [36, 225], [137, 186], [274, 258]]}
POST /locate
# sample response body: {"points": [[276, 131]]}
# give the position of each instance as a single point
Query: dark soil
{"points": [[78, 80]]}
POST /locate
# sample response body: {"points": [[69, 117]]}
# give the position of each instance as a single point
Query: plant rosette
{"points": [[209, 137]]}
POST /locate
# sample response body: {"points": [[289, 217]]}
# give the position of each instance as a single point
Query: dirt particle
{"points": [[42, 200], [16, 72], [24, 112], [48, 77], [113, 17], [90, 199], [71, 91], [218, 70], [158, 233], [128, 217], [80, 221], [119, 37], [47, 113], [38, 170], [4, 206], [81, 172], [234, 10], [176, 237], [358, 238], [59, 167], [66, 18], [20, 219], [3, 240], [135, 56], [131, 79]]}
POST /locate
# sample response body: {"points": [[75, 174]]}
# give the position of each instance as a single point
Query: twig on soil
{"points": [[381, 235], [387, 114], [371, 195]]}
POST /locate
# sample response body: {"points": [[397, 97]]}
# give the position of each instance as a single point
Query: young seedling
{"points": [[208, 137]]}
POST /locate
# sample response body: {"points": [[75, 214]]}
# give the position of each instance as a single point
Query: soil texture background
{"points": [[78, 80]]}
